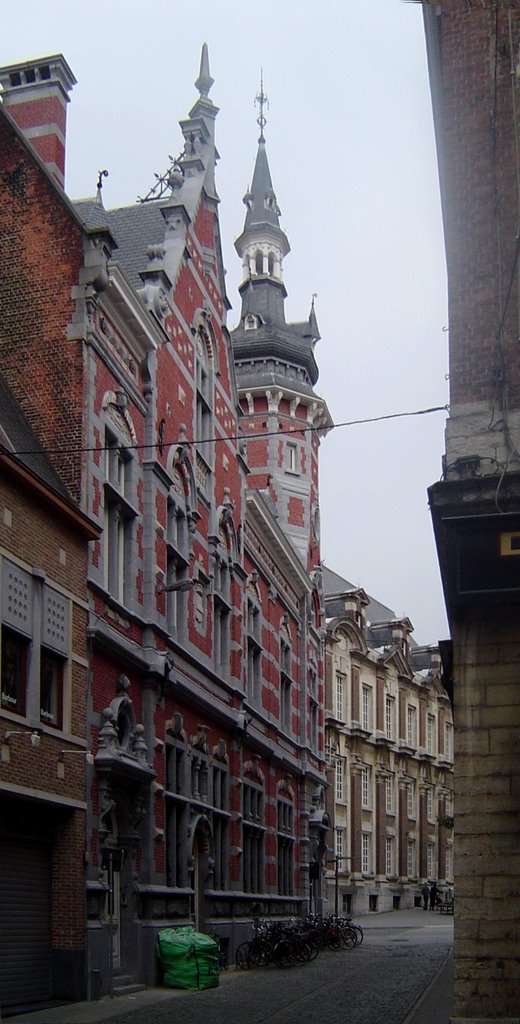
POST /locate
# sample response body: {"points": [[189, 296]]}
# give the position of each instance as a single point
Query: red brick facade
{"points": [[202, 645]]}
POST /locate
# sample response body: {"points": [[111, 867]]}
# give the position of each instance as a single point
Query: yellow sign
{"points": [[510, 543]]}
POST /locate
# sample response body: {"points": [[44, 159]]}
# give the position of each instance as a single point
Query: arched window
{"points": [[259, 262], [270, 264]]}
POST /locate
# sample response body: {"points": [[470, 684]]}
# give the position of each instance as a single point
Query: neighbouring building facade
{"points": [[473, 55], [200, 618], [43, 746], [389, 748]]}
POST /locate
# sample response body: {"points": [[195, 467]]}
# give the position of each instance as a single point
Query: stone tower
{"points": [[276, 370]]}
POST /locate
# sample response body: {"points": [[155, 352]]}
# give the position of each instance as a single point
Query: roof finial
{"points": [[101, 175], [262, 101], [204, 81]]}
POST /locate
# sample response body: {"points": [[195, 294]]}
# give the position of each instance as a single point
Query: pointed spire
{"points": [[313, 323], [204, 81]]}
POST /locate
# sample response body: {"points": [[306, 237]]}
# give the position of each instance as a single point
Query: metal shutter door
{"points": [[25, 923]]}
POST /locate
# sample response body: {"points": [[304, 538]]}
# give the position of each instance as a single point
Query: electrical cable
{"points": [[228, 437]]}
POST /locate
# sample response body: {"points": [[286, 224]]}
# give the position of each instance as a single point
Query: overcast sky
{"points": [[351, 149]]}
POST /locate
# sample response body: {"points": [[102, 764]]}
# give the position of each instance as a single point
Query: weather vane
{"points": [[262, 101], [101, 175]]}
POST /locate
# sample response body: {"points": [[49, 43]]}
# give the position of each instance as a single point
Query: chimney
{"points": [[36, 95]]}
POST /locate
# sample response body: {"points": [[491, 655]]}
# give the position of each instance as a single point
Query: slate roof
{"points": [[260, 212], [333, 583], [134, 228], [377, 614], [17, 436]]}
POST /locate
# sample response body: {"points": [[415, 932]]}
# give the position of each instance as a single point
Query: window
{"points": [[285, 845], [340, 695], [34, 649], [339, 780], [366, 701], [253, 837], [448, 740], [410, 794], [254, 650], [430, 860], [177, 814], [220, 817], [291, 457], [285, 682], [430, 734], [366, 853], [221, 616], [365, 786], [449, 862], [429, 804], [389, 717], [340, 845], [411, 858], [51, 689], [389, 855], [14, 671], [221, 622], [313, 709], [204, 402], [177, 559], [389, 784], [411, 726], [119, 519]]}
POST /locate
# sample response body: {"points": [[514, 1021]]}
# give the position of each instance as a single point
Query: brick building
{"points": [[473, 54], [389, 747], [43, 737], [204, 709]]}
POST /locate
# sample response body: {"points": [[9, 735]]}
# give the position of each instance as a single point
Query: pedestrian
{"points": [[433, 896], [425, 895]]}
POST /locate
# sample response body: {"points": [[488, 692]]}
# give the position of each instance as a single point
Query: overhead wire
{"points": [[182, 441]]}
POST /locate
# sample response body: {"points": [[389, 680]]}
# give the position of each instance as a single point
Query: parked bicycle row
{"points": [[286, 944]]}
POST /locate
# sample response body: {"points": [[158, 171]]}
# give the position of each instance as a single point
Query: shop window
{"points": [[51, 689], [14, 671]]}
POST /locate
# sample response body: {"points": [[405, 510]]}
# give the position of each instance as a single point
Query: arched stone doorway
{"points": [[201, 870]]}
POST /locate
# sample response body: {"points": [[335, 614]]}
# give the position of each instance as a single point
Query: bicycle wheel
{"points": [[246, 956], [348, 937], [284, 953], [333, 939]]}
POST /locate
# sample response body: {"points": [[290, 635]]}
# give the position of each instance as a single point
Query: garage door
{"points": [[25, 923]]}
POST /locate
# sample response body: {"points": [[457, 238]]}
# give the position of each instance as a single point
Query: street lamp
{"points": [[335, 860]]}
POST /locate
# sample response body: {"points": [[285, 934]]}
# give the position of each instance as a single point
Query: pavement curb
{"points": [[434, 1004]]}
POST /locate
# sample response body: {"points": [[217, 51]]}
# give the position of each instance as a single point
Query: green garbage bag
{"points": [[189, 959]]}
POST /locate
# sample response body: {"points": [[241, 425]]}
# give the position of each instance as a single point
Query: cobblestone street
{"points": [[380, 982]]}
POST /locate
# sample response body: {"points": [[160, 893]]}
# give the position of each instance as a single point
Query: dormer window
{"points": [[250, 322]]}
